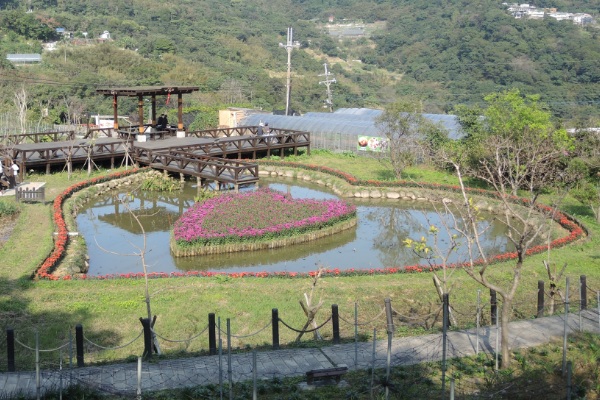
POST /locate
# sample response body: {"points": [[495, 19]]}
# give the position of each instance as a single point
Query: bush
{"points": [[8, 208]]}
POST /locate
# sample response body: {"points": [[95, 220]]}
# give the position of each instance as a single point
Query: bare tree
{"points": [[141, 253], [518, 151], [20, 101], [310, 309]]}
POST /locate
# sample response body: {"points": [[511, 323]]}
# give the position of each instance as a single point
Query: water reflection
{"points": [[375, 242]]}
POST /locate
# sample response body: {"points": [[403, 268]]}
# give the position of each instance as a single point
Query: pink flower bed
{"points": [[251, 216]]}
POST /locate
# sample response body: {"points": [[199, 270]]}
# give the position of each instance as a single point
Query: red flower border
{"points": [[62, 236], [576, 231]]}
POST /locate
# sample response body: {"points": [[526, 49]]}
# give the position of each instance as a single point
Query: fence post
{"points": [[493, 307], [566, 324], [79, 345], [275, 326], [212, 336], [356, 334], [254, 376], [540, 300], [139, 378], [445, 318], [569, 379], [583, 285], [229, 367], [390, 332], [335, 320], [10, 349], [147, 338], [478, 319], [38, 376]]}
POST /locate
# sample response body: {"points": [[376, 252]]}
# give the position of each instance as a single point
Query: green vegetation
{"points": [[109, 310], [8, 208], [442, 56], [160, 183]]}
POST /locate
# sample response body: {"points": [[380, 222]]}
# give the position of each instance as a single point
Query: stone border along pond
{"points": [[343, 184]]}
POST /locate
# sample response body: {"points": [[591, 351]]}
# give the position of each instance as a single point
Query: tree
{"points": [[520, 152], [21, 104], [516, 146], [407, 131]]}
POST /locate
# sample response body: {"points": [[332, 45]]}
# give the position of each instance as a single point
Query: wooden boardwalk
{"points": [[46, 154], [212, 156]]}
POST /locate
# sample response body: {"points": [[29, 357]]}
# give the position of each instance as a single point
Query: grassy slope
{"points": [[109, 310]]}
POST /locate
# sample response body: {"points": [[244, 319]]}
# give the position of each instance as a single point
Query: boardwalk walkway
{"points": [[122, 378]]}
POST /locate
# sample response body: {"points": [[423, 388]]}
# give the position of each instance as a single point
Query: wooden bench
{"points": [[325, 373]]}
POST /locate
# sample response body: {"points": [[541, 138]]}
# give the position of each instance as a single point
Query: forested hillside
{"points": [[442, 53]]}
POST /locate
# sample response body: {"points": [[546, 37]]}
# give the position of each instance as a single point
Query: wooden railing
{"points": [[217, 169], [40, 137], [30, 194], [61, 152]]}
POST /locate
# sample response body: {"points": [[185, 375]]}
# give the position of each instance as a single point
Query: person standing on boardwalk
{"points": [[15, 173]]}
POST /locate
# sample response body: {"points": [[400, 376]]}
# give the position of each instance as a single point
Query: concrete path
{"points": [[123, 378]]}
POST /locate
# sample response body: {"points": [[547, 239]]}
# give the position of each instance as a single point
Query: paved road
{"points": [[123, 378]]}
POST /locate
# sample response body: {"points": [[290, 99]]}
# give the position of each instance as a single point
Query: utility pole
{"points": [[328, 82], [289, 46]]}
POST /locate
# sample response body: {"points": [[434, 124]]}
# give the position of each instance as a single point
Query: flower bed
{"points": [[255, 217], [576, 231], [60, 242]]}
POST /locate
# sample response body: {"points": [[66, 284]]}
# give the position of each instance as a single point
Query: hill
{"points": [[443, 53]]}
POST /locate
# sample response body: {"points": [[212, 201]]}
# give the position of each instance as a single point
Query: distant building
{"points": [[21, 59], [582, 19], [531, 12]]}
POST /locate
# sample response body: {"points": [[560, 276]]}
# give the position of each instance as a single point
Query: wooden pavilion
{"points": [[152, 92]]}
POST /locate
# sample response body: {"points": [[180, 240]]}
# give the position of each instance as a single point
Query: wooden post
{"points": [[10, 349], [583, 285], [79, 345], [212, 336], [540, 299], [275, 327], [147, 338], [335, 320], [388, 314], [141, 127], [493, 307]]}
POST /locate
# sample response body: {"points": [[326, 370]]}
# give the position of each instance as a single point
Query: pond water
{"points": [[113, 236]]}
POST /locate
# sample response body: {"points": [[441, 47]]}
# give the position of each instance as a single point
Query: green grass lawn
{"points": [[109, 310]]}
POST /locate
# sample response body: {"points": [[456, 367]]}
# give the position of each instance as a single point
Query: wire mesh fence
{"points": [[388, 366]]}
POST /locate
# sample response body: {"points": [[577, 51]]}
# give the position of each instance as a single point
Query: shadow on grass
{"points": [[55, 328]]}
